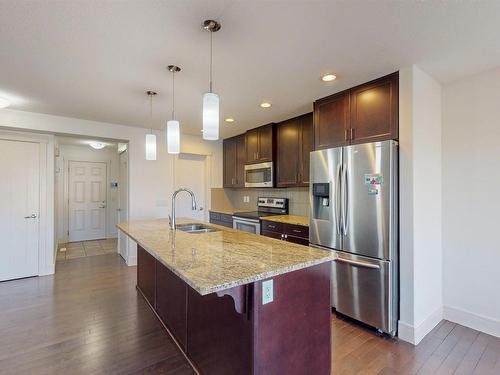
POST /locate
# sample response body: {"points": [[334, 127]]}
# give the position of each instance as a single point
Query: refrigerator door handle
{"points": [[338, 200], [356, 263], [345, 200]]}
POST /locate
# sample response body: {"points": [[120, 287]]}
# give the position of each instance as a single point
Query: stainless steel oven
{"points": [[246, 225], [259, 175], [266, 206]]}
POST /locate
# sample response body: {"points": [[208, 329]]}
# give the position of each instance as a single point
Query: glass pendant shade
{"points": [[210, 116], [173, 137], [150, 147]]}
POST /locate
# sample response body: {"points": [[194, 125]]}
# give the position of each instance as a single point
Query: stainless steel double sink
{"points": [[196, 228]]}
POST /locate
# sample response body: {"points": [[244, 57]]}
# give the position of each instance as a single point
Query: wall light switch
{"points": [[267, 291]]}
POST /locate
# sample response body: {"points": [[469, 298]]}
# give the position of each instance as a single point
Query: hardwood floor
{"points": [[89, 319]]}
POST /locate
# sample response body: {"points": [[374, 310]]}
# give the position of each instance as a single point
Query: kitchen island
{"points": [[235, 302]]}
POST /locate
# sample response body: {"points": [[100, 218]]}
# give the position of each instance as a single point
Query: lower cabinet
{"points": [[146, 275], [287, 232], [219, 218], [171, 302]]}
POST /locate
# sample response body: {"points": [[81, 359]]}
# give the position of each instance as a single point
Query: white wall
{"points": [[471, 201], [108, 155], [150, 181], [420, 204]]}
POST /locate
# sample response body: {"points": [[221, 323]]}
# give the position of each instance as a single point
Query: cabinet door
{"points": [[171, 303], [331, 121], [252, 145], [229, 166], [265, 151], [306, 146], [240, 161], [288, 152], [297, 240], [146, 271], [276, 235], [374, 110]]}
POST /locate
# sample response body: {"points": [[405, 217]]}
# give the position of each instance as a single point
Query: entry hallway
{"points": [[89, 319]]}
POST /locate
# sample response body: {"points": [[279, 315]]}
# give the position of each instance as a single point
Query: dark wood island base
{"points": [[233, 332]]}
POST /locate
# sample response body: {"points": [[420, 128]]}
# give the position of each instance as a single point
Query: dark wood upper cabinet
{"points": [[287, 171], [294, 143], [234, 161], [331, 121], [259, 143], [374, 110], [229, 158], [240, 161], [362, 114], [252, 145], [306, 146]]}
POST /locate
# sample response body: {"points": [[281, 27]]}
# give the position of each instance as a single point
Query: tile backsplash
{"points": [[298, 198]]}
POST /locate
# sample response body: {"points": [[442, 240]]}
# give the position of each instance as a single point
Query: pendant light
{"points": [[150, 137], [210, 99], [173, 126]]}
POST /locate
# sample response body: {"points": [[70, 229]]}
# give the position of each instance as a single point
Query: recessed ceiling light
{"points": [[265, 105], [328, 77], [4, 103], [229, 119], [97, 145]]}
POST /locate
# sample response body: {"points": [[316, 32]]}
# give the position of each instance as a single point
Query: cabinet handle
{"points": [[271, 226], [286, 236], [346, 135], [282, 236], [297, 231], [352, 134]]}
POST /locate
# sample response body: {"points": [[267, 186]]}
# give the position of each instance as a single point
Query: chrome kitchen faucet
{"points": [[174, 195]]}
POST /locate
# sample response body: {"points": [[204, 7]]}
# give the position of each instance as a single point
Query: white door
{"points": [[190, 172], [19, 209], [87, 200], [123, 204]]}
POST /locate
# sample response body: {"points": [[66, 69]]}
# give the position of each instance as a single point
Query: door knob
{"points": [[32, 216]]}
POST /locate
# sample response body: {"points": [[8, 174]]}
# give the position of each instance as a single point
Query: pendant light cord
{"points": [[173, 95], [151, 112], [211, 34]]}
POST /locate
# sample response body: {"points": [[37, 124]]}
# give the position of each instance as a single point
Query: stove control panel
{"points": [[272, 202]]}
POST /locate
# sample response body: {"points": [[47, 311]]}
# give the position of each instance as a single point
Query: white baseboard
{"points": [[131, 261], [414, 335], [472, 320]]}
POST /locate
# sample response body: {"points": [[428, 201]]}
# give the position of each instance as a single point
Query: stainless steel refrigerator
{"points": [[354, 212]]}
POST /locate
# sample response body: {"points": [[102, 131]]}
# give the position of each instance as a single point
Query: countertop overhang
{"points": [[216, 261]]}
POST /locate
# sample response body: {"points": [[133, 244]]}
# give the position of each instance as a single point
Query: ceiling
{"points": [[95, 59], [82, 141]]}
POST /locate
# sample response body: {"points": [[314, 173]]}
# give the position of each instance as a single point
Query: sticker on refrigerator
{"points": [[372, 190], [374, 179]]}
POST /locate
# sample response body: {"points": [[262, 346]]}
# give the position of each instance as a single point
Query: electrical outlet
{"points": [[246, 199], [267, 291]]}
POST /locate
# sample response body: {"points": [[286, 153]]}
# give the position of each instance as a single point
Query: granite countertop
{"points": [[212, 262], [228, 211], [289, 219]]}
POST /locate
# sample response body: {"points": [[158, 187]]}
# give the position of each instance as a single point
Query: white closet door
{"points": [[87, 200], [19, 209]]}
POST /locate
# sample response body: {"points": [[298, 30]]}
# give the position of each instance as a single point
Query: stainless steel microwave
{"points": [[259, 175]]}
